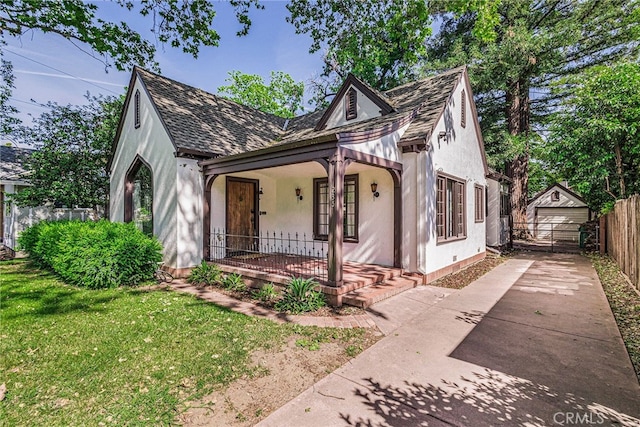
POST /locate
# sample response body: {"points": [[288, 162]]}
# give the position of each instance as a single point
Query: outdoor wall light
{"points": [[260, 193], [374, 189], [298, 193]]}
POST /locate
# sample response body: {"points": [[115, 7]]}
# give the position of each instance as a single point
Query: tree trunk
{"points": [[517, 115]]}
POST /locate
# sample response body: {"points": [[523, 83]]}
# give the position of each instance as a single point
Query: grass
{"points": [[625, 305], [120, 356]]}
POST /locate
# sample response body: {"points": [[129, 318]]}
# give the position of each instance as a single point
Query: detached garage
{"points": [[557, 213]]}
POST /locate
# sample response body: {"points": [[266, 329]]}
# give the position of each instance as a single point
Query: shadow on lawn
{"points": [[38, 293]]}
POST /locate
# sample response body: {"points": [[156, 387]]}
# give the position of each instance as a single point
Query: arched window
{"points": [[138, 201]]}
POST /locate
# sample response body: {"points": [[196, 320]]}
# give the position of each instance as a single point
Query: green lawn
{"points": [[120, 357]]}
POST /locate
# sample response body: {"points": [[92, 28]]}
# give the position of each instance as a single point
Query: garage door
{"points": [[561, 223]]}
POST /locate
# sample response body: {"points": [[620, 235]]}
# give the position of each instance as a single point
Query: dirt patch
{"points": [[469, 274], [286, 372]]}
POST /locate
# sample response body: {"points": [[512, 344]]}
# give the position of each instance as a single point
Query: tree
{"points": [[282, 97], [381, 42], [185, 24], [537, 43], [73, 145], [596, 138], [7, 120]]}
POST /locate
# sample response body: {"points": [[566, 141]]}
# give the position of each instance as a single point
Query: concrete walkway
{"points": [[531, 343]]}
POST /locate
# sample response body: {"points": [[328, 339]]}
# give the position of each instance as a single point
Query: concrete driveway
{"points": [[531, 343]]}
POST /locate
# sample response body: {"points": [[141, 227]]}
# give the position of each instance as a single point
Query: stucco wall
{"points": [[190, 187], [283, 212], [366, 110], [151, 142], [458, 155]]}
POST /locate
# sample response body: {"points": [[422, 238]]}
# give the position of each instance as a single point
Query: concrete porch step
{"points": [[371, 294]]}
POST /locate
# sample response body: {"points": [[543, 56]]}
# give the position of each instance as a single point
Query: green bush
{"points": [[266, 293], [300, 296], [205, 274], [94, 255], [234, 282]]}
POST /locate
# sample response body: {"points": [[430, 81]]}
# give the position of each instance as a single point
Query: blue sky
{"points": [[50, 68]]}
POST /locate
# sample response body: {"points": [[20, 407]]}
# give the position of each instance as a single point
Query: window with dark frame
{"points": [[450, 208], [463, 106], [479, 205], [351, 107], [321, 206], [555, 196], [137, 109]]}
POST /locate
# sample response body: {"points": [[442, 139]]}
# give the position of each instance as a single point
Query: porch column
{"points": [[336, 220], [206, 219], [397, 217]]}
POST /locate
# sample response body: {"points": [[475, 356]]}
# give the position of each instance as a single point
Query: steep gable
{"points": [[354, 102]]}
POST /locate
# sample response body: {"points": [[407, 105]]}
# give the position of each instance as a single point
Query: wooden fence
{"points": [[622, 231]]}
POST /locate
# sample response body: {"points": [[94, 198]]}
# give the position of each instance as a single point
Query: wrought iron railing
{"points": [[287, 254], [555, 236]]}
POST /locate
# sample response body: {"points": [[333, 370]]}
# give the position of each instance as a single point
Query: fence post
{"points": [[602, 235]]}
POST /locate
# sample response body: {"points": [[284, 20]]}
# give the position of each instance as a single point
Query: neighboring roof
{"points": [[559, 186], [12, 162], [202, 122], [207, 125], [498, 176]]}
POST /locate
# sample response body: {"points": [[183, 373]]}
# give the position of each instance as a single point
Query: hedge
{"points": [[94, 255]]}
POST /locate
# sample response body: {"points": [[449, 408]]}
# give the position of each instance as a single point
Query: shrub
{"points": [[266, 293], [205, 274], [234, 282], [300, 296], [94, 255]]}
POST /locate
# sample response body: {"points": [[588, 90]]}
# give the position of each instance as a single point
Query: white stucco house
{"points": [[392, 179], [557, 212]]}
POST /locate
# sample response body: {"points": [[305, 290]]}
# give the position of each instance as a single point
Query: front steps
{"points": [[368, 295]]}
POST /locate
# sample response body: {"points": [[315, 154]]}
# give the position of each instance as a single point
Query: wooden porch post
{"points": [[397, 217], [206, 217], [336, 220]]}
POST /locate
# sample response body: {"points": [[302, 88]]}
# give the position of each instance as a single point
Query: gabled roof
{"points": [[200, 122], [205, 125], [12, 162], [351, 80], [559, 186]]}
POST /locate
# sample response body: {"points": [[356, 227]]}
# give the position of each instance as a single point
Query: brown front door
{"points": [[242, 214]]}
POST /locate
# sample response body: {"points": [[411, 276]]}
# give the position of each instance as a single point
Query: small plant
{"points": [[311, 345], [266, 293], [301, 296], [205, 274], [234, 282]]}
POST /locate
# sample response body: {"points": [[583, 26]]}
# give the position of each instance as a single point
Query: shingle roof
{"points": [[199, 121], [205, 123], [12, 162]]}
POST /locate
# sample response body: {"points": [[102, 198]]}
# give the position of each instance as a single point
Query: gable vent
{"points": [[136, 107], [351, 107], [463, 113]]}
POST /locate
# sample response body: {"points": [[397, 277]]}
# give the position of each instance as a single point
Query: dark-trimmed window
{"points": [[463, 106], [450, 208], [351, 104], [138, 197], [555, 196], [479, 205], [322, 204], [136, 107]]}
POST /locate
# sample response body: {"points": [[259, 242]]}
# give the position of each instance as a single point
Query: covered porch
{"points": [[320, 199]]}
